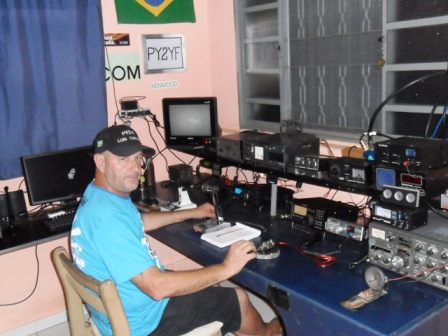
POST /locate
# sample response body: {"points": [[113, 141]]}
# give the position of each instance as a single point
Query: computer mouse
{"points": [[150, 201]]}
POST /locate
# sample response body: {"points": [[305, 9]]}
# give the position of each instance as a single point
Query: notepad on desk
{"points": [[230, 235]]}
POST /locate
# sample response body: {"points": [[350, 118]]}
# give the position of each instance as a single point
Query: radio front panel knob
{"points": [[419, 260], [418, 247], [432, 251], [435, 278], [400, 260]]}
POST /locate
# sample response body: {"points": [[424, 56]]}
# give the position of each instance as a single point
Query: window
{"points": [[339, 60]]}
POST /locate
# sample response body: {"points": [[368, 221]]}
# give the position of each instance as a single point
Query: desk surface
{"points": [[29, 231], [314, 293]]}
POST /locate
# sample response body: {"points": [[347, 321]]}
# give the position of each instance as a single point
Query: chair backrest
{"points": [[80, 288]]}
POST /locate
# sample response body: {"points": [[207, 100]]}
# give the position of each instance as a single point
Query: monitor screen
{"points": [[188, 122], [59, 176]]}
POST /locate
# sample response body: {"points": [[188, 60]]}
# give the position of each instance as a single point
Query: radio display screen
{"points": [[259, 153], [300, 210], [384, 213], [411, 179]]}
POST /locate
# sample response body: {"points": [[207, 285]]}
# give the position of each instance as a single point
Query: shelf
{"points": [[263, 71], [265, 101], [260, 8], [264, 39]]}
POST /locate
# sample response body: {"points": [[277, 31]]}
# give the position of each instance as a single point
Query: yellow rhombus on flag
{"points": [[156, 10]]}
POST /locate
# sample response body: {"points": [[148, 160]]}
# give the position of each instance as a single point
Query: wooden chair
{"points": [[80, 288]]}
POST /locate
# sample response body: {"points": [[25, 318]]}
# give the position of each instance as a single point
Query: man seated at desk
{"points": [[108, 242]]}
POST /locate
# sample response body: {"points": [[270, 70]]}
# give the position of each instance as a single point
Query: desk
{"points": [[313, 294], [29, 231]]}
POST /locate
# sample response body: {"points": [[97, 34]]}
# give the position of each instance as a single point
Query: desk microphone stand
{"points": [[212, 224], [184, 201]]}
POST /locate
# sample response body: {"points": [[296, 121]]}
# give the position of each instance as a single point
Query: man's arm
{"points": [[156, 219], [159, 284]]}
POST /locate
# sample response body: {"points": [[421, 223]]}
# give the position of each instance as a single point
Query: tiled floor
{"points": [[58, 330], [63, 329]]}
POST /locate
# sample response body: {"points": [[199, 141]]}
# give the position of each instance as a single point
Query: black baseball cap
{"points": [[120, 140]]}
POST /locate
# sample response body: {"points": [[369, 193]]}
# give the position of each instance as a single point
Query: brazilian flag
{"points": [[155, 11]]}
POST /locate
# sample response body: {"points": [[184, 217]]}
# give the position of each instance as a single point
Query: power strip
{"points": [[133, 113]]}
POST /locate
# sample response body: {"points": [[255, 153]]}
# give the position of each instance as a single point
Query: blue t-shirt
{"points": [[108, 242]]}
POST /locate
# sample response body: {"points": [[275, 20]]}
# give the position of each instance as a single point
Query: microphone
{"points": [[210, 189]]}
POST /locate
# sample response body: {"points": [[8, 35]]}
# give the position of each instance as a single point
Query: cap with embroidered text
{"points": [[120, 140]]}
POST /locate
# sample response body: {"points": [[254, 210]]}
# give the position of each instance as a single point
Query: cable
{"points": [[112, 78], [436, 211], [431, 115], [35, 284], [327, 145], [392, 95], [322, 260], [431, 270], [441, 119]]}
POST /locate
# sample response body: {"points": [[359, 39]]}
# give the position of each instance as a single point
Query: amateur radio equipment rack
{"points": [[315, 166], [277, 152], [230, 147], [429, 183], [353, 170], [346, 229], [314, 212], [408, 197], [417, 154], [398, 216], [421, 254]]}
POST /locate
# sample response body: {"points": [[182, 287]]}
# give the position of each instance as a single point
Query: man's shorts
{"points": [[187, 312]]}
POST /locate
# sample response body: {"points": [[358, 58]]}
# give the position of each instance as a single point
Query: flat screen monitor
{"points": [[189, 121], [59, 176]]}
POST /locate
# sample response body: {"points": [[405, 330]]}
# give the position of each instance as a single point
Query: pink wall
{"points": [[211, 70]]}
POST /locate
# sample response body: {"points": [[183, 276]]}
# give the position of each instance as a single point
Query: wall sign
{"points": [[164, 53]]}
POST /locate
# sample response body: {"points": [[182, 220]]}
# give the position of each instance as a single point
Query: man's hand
{"points": [[157, 219], [239, 254], [204, 211]]}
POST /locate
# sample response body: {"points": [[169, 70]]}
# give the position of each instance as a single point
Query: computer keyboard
{"points": [[60, 220]]}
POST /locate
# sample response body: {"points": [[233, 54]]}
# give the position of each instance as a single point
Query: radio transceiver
{"points": [[277, 152], [230, 147], [400, 217], [310, 165], [421, 254], [313, 212], [414, 153], [354, 170], [346, 229]]}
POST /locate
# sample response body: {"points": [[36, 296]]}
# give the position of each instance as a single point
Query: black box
{"points": [[181, 174]]}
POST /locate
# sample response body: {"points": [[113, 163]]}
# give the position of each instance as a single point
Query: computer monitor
{"points": [[58, 176], [189, 121]]}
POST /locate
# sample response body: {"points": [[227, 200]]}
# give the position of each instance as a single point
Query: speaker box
{"points": [[18, 205], [407, 197], [181, 174]]}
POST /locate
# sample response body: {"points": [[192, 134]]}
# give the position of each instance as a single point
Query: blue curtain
{"points": [[52, 77]]}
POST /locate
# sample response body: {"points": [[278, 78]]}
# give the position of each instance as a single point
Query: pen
{"points": [[223, 234]]}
